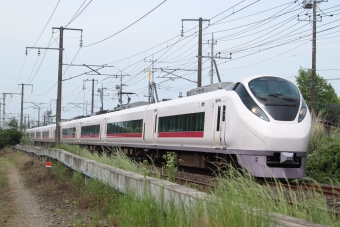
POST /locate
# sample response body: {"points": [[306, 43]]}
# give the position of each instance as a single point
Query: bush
{"points": [[10, 136], [324, 164]]}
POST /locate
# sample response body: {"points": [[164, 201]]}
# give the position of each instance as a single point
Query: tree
{"points": [[13, 124], [10, 136], [325, 94]]}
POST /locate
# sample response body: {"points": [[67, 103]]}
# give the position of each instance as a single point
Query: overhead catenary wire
{"points": [[126, 26]]}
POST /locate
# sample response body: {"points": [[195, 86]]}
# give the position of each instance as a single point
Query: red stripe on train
{"points": [[181, 134], [124, 135], [68, 136], [90, 136]]}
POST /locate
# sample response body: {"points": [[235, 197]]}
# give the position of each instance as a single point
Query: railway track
{"points": [[203, 185], [326, 190]]}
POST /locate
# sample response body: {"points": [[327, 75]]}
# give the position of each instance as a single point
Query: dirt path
{"points": [[27, 205]]}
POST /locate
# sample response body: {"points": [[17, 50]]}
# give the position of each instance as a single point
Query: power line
{"points": [[46, 23], [127, 26], [75, 17]]}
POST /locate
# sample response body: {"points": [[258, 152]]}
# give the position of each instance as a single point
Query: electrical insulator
{"points": [[26, 52], [39, 52]]}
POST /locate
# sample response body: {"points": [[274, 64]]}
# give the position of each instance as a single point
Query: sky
{"points": [[261, 36]]}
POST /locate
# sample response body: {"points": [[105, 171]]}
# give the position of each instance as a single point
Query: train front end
{"points": [[279, 121]]}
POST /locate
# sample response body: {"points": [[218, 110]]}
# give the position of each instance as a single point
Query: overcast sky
{"points": [[264, 37]]}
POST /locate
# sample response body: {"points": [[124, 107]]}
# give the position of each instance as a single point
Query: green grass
{"points": [[232, 203], [116, 159], [3, 179], [4, 213]]}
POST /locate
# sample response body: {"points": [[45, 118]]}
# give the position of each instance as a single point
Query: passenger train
{"points": [[262, 123]]}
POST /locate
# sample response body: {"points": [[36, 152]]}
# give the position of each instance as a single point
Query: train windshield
{"points": [[279, 97]]}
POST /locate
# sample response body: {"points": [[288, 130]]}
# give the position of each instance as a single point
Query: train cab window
{"points": [[32, 134], [249, 102], [231, 87], [279, 97], [182, 123]]}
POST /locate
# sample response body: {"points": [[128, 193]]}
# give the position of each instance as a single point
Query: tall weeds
{"points": [[113, 156], [238, 200]]}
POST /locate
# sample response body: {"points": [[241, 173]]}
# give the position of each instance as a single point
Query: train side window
{"points": [[182, 123], [45, 133], [134, 126], [223, 114], [218, 118]]}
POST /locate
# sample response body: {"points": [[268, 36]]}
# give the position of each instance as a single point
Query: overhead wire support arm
{"points": [[218, 74], [90, 65], [213, 57], [155, 89], [72, 29], [175, 75], [92, 69]]}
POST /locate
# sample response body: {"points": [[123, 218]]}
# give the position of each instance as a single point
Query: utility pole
{"points": [[308, 4], [212, 43], [4, 109], [314, 59], [151, 80], [92, 107], [149, 76], [120, 87], [101, 94], [60, 76], [199, 73], [38, 107], [22, 101], [213, 61]]}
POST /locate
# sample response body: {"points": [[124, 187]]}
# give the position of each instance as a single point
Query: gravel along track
{"points": [[28, 212]]}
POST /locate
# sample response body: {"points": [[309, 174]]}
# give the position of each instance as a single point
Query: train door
{"points": [[220, 123], [103, 130], [223, 123], [217, 123], [154, 128]]}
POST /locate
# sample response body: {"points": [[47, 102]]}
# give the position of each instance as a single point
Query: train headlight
{"points": [[302, 113], [258, 112]]}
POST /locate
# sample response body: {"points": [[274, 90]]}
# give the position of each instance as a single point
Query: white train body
{"points": [[263, 120]]}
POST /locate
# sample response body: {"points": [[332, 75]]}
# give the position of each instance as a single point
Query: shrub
{"points": [[324, 164]]}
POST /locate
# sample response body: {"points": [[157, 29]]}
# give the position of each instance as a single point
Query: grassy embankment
{"points": [[6, 203], [231, 203]]}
